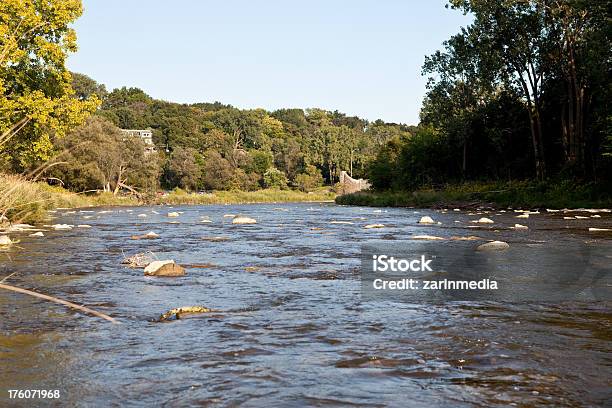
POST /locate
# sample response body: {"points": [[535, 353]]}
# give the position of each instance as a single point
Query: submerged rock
{"points": [[148, 235], [139, 260], [493, 246], [164, 268], [182, 311], [426, 220], [244, 220]]}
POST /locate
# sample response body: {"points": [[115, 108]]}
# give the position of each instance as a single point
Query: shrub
{"points": [[274, 178], [310, 179]]}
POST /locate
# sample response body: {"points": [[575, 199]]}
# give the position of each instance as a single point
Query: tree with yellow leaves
{"points": [[37, 101]]}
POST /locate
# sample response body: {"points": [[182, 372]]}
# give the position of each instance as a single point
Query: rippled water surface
{"points": [[291, 328]]}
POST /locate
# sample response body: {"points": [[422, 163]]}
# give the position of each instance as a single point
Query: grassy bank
{"points": [[527, 194], [26, 201], [245, 197]]}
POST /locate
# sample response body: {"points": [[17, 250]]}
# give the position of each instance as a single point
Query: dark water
{"points": [[291, 328]]}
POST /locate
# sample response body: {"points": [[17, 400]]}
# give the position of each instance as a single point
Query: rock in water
{"points": [[243, 220], [426, 220], [427, 237], [493, 246], [5, 240], [484, 220], [61, 227], [182, 311], [164, 268], [173, 214], [519, 226], [142, 215], [599, 229], [523, 216], [83, 226], [369, 226], [37, 234]]}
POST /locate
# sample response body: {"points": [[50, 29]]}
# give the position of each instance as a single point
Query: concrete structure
{"points": [[146, 135], [348, 185]]}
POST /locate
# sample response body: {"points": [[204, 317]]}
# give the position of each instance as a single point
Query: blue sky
{"points": [[360, 57]]}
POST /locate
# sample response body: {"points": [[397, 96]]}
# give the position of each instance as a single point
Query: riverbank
{"points": [[527, 194], [26, 201]]}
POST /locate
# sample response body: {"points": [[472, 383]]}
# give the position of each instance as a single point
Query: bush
{"points": [[274, 178], [310, 179]]}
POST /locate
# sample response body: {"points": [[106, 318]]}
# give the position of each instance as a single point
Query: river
{"points": [[290, 327]]}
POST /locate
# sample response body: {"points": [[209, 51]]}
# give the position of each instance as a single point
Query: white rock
{"points": [[205, 220], [484, 220], [83, 226], [519, 226], [493, 246], [569, 218], [456, 209], [142, 215], [61, 227], [551, 211], [427, 237], [5, 240], [341, 222], [525, 215], [229, 215], [155, 265], [37, 234], [243, 220], [426, 220], [581, 217], [599, 229], [370, 226], [173, 214], [151, 234], [596, 216]]}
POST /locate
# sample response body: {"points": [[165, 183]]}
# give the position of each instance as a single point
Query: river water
{"points": [[291, 328]]}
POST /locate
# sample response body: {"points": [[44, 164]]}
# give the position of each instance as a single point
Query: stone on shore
{"points": [[493, 246], [164, 268], [426, 220], [244, 220]]}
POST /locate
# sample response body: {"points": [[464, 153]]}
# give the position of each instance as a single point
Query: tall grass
{"points": [[245, 197], [22, 200], [552, 194]]}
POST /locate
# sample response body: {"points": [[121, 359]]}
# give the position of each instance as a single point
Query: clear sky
{"points": [[360, 57]]}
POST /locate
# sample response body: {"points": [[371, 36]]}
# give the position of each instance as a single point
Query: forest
{"points": [[522, 93]]}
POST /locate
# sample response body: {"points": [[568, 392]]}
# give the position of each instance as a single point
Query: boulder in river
{"points": [[484, 220], [164, 268], [525, 215], [173, 214], [148, 235], [243, 220], [426, 220], [427, 237], [37, 234], [61, 227], [83, 226], [183, 311], [369, 226], [142, 215], [599, 229], [519, 226], [493, 246]]}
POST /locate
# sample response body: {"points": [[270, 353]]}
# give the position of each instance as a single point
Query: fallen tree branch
{"points": [[60, 301]]}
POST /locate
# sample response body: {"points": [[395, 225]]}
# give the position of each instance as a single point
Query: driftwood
{"points": [[60, 301]]}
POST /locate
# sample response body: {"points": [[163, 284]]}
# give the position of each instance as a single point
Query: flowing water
{"points": [[290, 327]]}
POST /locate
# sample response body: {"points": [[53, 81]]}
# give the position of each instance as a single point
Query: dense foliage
{"points": [[212, 146], [522, 92]]}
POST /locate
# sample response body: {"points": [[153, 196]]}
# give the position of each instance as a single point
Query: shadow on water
{"points": [[291, 328]]}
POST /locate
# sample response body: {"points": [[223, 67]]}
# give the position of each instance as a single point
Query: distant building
{"points": [[146, 135]]}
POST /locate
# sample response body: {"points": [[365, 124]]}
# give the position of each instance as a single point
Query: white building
{"points": [[146, 135]]}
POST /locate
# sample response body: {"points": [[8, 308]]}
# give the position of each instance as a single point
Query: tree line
{"points": [[522, 92]]}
